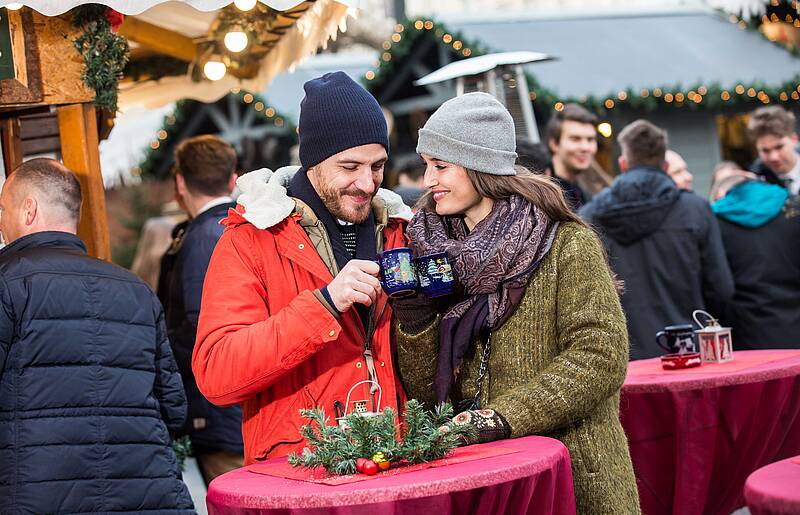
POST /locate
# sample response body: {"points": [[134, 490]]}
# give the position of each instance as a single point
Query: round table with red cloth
{"points": [[696, 434], [535, 480], [774, 489]]}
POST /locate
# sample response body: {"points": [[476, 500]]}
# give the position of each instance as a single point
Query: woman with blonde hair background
{"points": [[534, 342]]}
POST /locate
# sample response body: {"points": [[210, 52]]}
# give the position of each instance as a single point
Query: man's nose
{"points": [[364, 181]]}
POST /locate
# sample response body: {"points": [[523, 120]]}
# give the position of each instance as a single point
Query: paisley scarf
{"points": [[492, 263]]}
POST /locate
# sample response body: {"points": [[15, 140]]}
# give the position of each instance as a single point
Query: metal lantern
{"points": [[359, 407], [715, 341]]}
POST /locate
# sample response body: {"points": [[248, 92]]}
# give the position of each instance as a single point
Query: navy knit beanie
{"points": [[337, 114]]}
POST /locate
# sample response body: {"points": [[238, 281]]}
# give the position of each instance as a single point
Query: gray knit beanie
{"points": [[474, 131]]}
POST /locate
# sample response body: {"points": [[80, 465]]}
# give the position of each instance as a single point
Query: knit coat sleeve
{"points": [[416, 355], [593, 339]]}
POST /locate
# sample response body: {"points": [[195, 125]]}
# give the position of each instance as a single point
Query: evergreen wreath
{"points": [[105, 53], [426, 436]]}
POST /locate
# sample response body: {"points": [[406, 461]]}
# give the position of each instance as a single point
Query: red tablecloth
{"points": [[696, 434], [536, 480], [774, 489]]}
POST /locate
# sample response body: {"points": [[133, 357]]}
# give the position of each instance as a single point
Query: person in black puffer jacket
{"points": [[204, 179], [89, 389], [663, 243]]}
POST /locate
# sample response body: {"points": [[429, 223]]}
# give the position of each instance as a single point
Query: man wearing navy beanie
{"points": [[293, 313]]}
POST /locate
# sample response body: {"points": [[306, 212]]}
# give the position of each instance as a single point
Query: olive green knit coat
{"points": [[556, 368]]}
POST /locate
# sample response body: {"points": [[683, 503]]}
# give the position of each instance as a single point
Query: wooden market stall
{"points": [[47, 109]]}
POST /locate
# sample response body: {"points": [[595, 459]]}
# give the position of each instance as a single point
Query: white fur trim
{"points": [[267, 203]]}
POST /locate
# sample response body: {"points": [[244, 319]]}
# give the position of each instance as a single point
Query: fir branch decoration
{"points": [[105, 54], [183, 449], [427, 436]]}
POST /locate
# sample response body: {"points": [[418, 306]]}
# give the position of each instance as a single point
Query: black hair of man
{"points": [[533, 156]]}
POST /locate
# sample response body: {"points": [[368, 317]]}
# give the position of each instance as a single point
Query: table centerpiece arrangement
{"points": [[370, 444]]}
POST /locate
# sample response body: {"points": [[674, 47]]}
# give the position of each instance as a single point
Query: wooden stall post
{"points": [[11, 143], [79, 151]]}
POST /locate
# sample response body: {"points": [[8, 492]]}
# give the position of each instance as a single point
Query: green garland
{"points": [[173, 125], [104, 54], [427, 436], [711, 96]]}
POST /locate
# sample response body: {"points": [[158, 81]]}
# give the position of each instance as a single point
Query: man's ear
{"points": [[30, 208], [552, 144], [232, 182], [180, 185], [623, 164]]}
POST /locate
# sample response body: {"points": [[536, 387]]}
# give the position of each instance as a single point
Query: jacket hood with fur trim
{"points": [[266, 201]]}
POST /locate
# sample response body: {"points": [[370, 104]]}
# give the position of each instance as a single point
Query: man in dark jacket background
{"points": [[89, 390], [664, 243], [204, 179]]}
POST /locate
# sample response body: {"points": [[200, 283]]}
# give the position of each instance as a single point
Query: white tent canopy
{"points": [[320, 23], [190, 20], [56, 7]]}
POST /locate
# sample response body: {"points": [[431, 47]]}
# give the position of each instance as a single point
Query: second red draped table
{"points": [[696, 434]]}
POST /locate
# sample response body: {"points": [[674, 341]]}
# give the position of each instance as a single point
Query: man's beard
{"points": [[333, 201]]}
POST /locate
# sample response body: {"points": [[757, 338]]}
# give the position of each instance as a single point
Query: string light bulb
{"points": [[214, 69], [605, 129], [244, 5], [235, 41]]}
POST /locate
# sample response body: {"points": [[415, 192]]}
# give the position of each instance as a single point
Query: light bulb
{"points": [[244, 5], [13, 6], [235, 41], [214, 69], [605, 129]]}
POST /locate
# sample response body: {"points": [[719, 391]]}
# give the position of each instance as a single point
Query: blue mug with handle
{"points": [[397, 274], [436, 276]]}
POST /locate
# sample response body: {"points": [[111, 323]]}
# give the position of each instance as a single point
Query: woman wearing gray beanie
{"points": [[534, 342]]}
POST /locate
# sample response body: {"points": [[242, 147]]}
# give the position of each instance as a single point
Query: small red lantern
{"points": [[715, 341]]}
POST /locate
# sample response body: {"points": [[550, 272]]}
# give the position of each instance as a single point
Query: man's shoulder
{"points": [[688, 200]]}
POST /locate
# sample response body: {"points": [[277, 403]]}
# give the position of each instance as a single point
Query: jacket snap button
{"points": [[331, 333], [382, 363], [358, 365], [301, 246]]}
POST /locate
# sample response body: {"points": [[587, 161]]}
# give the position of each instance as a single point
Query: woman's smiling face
{"points": [[450, 186]]}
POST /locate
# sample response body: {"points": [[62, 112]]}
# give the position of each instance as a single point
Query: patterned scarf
{"points": [[492, 264]]}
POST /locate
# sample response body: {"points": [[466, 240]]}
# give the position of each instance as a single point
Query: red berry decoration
{"points": [[369, 468], [384, 465], [360, 464]]}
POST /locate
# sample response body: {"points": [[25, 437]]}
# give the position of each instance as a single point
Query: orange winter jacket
{"points": [[267, 341]]}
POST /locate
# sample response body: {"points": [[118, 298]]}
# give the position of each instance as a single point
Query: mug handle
{"points": [[659, 335]]}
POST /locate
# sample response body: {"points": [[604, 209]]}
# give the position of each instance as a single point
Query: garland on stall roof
{"points": [[104, 52], [174, 122], [700, 96]]}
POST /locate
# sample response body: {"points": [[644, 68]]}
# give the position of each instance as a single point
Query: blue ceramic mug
{"points": [[436, 277], [397, 272]]}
